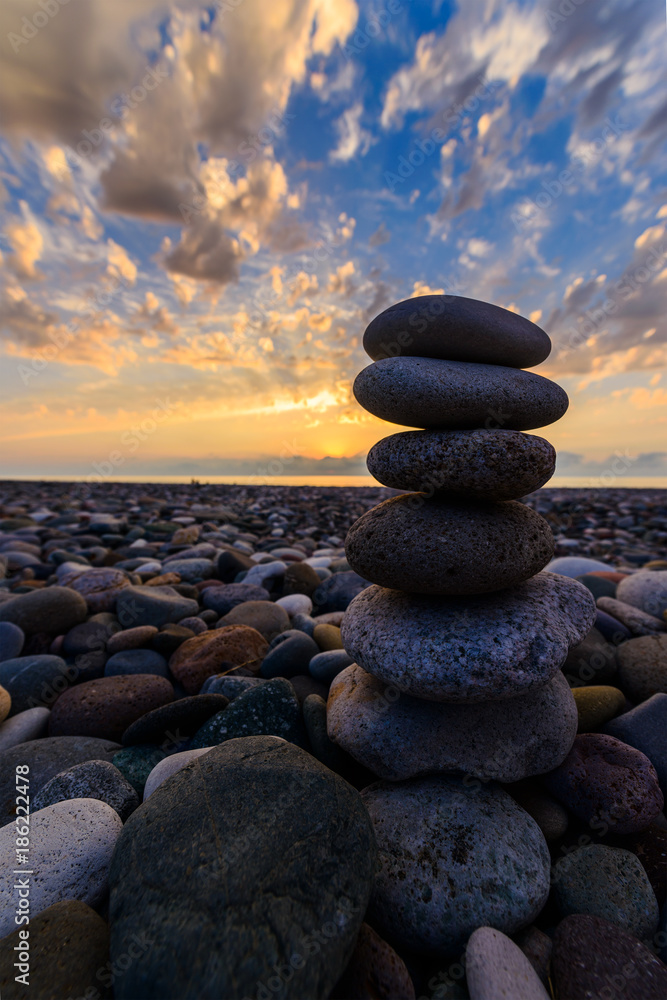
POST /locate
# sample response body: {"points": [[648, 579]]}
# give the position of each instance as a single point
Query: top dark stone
{"points": [[455, 328]]}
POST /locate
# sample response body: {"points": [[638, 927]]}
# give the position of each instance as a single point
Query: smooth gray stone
{"points": [[456, 395], [497, 969], [458, 328], [607, 882], [283, 850], [45, 758], [646, 590], [453, 856], [328, 664], [230, 686], [645, 729], [152, 606], [136, 661], [35, 681], [50, 609], [488, 464], [93, 779], [11, 641], [25, 726], [448, 546], [399, 737], [71, 844], [638, 622], [477, 648]]}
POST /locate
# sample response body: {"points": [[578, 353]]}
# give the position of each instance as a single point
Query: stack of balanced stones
{"points": [[458, 642]]}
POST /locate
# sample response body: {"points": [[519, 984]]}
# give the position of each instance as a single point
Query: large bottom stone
{"points": [[250, 870], [397, 736], [453, 856], [477, 648]]}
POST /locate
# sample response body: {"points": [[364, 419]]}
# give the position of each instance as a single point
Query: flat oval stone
{"points": [[28, 725], [5, 703], [156, 606], [453, 857], [52, 609], [596, 705], [449, 547], [35, 681], [398, 737], [497, 968], [92, 779], [100, 587], [45, 758], [642, 667], [646, 590], [11, 641], [488, 464], [606, 882], [71, 844], [207, 886], [176, 720], [608, 784], [223, 598], [264, 617], [69, 945], [136, 661], [423, 392], [211, 653], [593, 958], [477, 648], [456, 328], [106, 707], [637, 622]]}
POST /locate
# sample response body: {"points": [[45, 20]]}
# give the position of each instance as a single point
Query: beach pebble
{"points": [[264, 616], [229, 685], [636, 621], [611, 629], [315, 720], [453, 858], [175, 721], [131, 638], [448, 547], [642, 667], [156, 606], [25, 726], [477, 648], [136, 661], [645, 728], [170, 765], [191, 570], [375, 972], [549, 815], [93, 779], [300, 579], [260, 792], [328, 664], [591, 661], [71, 844], [11, 641], [68, 947], [327, 637], [106, 707], [52, 609], [483, 464], [337, 592], [457, 328], [5, 704], [574, 566], [35, 681], [608, 783], [599, 586], [212, 652], [591, 955], [289, 654], [597, 705], [295, 604], [457, 395], [497, 969], [272, 709], [399, 737], [45, 758], [606, 882], [265, 572], [646, 590], [136, 763], [100, 587]]}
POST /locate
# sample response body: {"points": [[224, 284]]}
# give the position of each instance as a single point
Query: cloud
{"points": [[353, 138], [380, 236], [27, 243]]}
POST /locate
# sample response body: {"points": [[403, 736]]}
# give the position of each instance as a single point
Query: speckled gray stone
{"points": [[477, 648], [489, 464], [93, 779], [427, 392], [451, 547], [397, 736], [646, 590], [607, 882], [71, 844], [453, 857], [456, 327], [497, 969]]}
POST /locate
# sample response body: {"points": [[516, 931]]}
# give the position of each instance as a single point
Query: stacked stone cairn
{"points": [[457, 688]]}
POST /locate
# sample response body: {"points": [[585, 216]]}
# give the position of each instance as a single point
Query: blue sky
{"points": [[204, 205]]}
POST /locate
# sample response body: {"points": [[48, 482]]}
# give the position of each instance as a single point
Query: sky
{"points": [[203, 206]]}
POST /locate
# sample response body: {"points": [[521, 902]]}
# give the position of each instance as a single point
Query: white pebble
{"points": [[296, 604], [170, 765]]}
